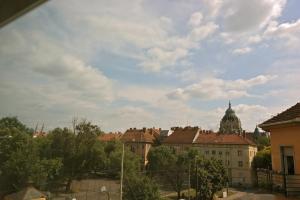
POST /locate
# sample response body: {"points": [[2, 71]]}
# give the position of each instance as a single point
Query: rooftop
{"points": [[181, 135], [290, 115], [110, 137], [217, 138], [140, 135]]}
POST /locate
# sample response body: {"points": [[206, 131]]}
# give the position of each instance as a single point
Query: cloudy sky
{"points": [[159, 63]]}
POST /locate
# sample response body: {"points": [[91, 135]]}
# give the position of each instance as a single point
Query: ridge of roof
{"points": [[290, 115]]}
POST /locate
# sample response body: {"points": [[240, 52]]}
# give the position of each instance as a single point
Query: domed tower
{"points": [[230, 123]]}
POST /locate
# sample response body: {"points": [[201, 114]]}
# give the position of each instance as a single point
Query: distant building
{"points": [[285, 140], [235, 151], [230, 123], [164, 134], [140, 141], [107, 137]]}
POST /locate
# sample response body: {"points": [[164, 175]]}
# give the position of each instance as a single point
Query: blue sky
{"points": [[156, 63]]}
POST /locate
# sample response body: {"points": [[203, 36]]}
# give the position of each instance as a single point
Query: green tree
{"points": [[211, 177], [262, 142], [170, 166], [140, 188], [81, 153], [11, 124], [262, 159], [21, 164], [20, 158]]}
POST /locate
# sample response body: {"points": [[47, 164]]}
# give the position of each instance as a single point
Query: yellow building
{"points": [[235, 151], [285, 140]]}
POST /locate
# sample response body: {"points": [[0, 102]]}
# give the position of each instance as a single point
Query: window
{"points": [[227, 162], [227, 153], [206, 152], [240, 163], [239, 152], [213, 152], [220, 153]]}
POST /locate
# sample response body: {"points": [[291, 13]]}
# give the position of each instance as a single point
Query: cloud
{"points": [[287, 34], [242, 51], [195, 19], [244, 16], [215, 88]]}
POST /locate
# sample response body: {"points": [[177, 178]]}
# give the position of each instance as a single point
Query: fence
{"points": [[289, 184]]}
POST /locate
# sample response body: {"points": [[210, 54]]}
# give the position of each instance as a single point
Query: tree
{"points": [[172, 167], [21, 164], [262, 142], [140, 188], [81, 154], [211, 175], [11, 124], [262, 159]]}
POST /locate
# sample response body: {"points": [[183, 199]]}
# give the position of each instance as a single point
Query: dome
{"points": [[230, 123]]}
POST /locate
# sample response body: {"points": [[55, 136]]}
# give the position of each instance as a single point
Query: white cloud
{"points": [[242, 51], [241, 16], [214, 88], [287, 34], [195, 19]]}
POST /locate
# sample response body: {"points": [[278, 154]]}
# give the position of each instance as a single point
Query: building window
{"points": [[239, 152], [220, 153], [213, 152], [206, 152], [240, 163], [227, 162], [227, 153]]}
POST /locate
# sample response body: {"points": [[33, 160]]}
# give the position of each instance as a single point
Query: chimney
{"points": [[144, 129], [244, 134]]}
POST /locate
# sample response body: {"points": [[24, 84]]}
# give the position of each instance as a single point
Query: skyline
{"points": [[151, 63]]}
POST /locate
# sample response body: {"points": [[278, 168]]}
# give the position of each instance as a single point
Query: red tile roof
{"points": [[139, 135], [109, 137], [292, 113], [217, 138], [182, 135]]}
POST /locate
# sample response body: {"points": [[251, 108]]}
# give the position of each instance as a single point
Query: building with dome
{"points": [[230, 123]]}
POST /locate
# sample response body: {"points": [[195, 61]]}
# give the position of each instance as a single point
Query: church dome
{"points": [[230, 123]]}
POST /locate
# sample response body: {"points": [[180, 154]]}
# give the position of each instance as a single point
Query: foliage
{"points": [[262, 159], [262, 142], [11, 125], [170, 166], [21, 164], [211, 177], [140, 188]]}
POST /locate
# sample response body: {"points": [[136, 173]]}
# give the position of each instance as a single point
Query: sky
{"points": [[151, 63]]}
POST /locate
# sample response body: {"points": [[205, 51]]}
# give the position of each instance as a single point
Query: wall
{"points": [[285, 136], [238, 175]]}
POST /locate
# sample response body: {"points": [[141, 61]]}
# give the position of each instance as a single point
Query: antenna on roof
{"points": [[36, 127], [42, 128]]}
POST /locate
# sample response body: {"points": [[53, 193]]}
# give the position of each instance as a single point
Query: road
{"points": [[253, 195]]}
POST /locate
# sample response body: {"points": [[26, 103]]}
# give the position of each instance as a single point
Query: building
{"points": [[230, 123], [235, 151], [284, 131], [108, 137], [164, 134], [140, 141]]}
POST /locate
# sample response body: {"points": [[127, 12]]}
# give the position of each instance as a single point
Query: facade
{"points": [[140, 141], [230, 123], [285, 140], [235, 151]]}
